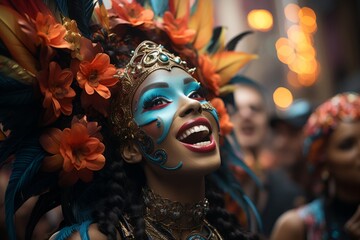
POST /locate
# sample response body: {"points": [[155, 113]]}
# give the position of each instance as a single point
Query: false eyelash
{"points": [[149, 100], [201, 90]]}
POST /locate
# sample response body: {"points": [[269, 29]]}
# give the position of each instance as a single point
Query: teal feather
{"points": [[194, 7], [27, 163], [82, 228], [235, 159], [63, 7], [214, 42], [159, 6], [81, 11]]}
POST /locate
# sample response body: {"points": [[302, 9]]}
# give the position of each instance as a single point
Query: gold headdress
{"points": [[147, 58]]}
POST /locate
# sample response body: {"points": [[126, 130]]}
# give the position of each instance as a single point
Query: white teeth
{"points": [[194, 129], [202, 143]]}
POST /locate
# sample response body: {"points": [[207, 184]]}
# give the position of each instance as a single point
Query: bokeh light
{"points": [[297, 49], [282, 97], [260, 19], [292, 12]]}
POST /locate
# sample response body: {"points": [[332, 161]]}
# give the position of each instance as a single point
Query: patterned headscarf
{"points": [[341, 107]]}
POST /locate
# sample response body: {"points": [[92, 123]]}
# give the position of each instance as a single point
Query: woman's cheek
{"points": [[153, 129]]}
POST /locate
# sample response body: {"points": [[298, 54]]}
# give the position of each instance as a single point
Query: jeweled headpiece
{"points": [[147, 58]]}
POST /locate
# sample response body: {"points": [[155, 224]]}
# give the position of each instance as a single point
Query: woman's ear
{"points": [[131, 153]]}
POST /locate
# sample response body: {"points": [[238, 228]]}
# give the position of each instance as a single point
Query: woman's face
{"points": [[167, 107], [343, 153]]}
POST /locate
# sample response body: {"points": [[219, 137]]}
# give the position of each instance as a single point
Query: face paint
{"points": [[160, 100]]}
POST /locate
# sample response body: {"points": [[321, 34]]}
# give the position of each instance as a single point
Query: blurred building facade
{"points": [[312, 48]]}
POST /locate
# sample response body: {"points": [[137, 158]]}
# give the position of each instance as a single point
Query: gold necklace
{"points": [[169, 220]]}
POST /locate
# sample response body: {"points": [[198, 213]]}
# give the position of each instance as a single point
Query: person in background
{"points": [[332, 147], [286, 181], [250, 112]]}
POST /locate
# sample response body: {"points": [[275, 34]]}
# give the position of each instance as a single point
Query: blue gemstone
{"points": [[164, 58], [196, 237]]}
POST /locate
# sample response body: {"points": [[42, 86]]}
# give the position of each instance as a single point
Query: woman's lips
{"points": [[207, 147], [196, 135]]}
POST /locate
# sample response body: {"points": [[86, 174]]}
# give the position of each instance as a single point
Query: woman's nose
{"points": [[189, 106]]}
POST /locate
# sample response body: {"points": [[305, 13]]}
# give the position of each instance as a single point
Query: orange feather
{"points": [[17, 42], [227, 64], [202, 22]]}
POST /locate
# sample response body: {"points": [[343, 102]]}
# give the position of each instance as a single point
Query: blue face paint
{"points": [[161, 100]]}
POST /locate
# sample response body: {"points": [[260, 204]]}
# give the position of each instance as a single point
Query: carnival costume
{"points": [[66, 74]]}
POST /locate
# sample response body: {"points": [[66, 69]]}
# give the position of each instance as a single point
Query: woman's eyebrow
{"points": [[188, 80], [154, 85]]}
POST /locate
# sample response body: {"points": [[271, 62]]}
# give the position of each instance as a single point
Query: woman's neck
{"points": [[183, 189], [346, 193]]}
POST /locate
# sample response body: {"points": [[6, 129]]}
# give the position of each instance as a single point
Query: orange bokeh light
{"points": [[305, 11], [307, 79], [286, 54], [292, 79], [282, 97], [281, 42], [297, 35], [297, 51], [292, 12], [260, 19]]}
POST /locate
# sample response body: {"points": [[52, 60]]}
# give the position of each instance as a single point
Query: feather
{"points": [[44, 204], [230, 147], [202, 23], [13, 70], [238, 198], [159, 6], [63, 7], [217, 40], [66, 232], [179, 8], [30, 8], [227, 64], [16, 40], [231, 45], [81, 11], [26, 164]]}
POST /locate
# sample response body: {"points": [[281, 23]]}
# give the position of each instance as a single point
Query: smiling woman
{"points": [[118, 130], [167, 132]]}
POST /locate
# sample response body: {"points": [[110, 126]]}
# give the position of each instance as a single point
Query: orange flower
{"points": [[133, 13], [51, 32], [225, 125], [97, 75], [55, 86], [210, 76], [177, 29], [77, 150]]}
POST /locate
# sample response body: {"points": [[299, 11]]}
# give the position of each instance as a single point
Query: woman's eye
{"points": [[347, 144], [156, 103], [196, 95]]}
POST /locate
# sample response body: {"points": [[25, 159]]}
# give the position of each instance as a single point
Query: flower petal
{"points": [[52, 163]]}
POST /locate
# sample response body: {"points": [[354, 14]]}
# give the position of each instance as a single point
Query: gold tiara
{"points": [[146, 58]]}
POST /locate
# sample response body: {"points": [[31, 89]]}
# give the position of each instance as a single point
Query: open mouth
{"points": [[196, 135]]}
